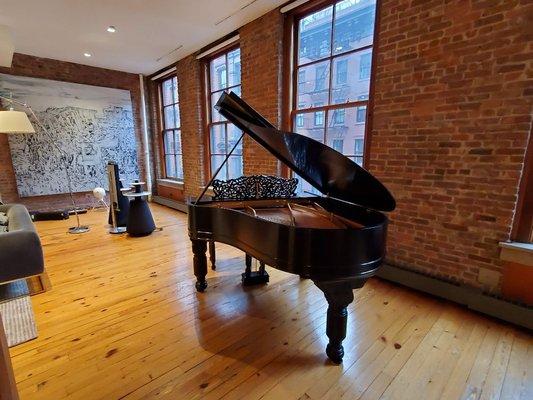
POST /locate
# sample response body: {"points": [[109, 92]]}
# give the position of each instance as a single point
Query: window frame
{"points": [[162, 130], [292, 67], [522, 228], [208, 106]]}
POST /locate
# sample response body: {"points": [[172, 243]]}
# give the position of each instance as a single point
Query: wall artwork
{"points": [[91, 124]]}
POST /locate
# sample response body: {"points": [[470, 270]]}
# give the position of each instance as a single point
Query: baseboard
{"points": [[177, 205], [469, 297]]}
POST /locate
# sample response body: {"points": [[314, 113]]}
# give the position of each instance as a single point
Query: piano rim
{"points": [[379, 214]]}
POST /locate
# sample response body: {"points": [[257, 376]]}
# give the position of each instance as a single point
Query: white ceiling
{"points": [[146, 29]]}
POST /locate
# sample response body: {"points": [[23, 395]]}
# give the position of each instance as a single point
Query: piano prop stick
{"points": [[337, 239]]}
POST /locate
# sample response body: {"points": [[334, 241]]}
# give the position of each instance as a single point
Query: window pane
{"points": [[215, 116], [354, 25], [314, 89], [309, 128], [179, 167], [314, 41], [234, 167], [304, 188], [216, 161], [358, 160], [177, 115], [351, 133], [170, 166], [177, 142], [218, 73], [234, 134], [168, 117], [168, 141], [218, 139], [234, 65], [167, 87], [356, 85]]}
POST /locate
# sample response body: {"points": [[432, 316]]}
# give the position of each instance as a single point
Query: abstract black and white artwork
{"points": [[89, 125]]}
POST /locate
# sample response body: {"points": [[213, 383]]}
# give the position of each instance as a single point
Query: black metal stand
{"points": [[250, 277]]}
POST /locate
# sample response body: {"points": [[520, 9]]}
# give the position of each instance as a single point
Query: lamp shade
{"points": [[15, 122]]}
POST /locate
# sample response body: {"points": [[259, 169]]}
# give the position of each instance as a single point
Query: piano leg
{"points": [[212, 254], [339, 295], [199, 248]]}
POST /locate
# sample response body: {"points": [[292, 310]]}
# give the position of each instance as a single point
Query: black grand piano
{"points": [[337, 240]]}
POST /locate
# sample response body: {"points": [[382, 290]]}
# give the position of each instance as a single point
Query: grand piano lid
{"points": [[326, 169]]}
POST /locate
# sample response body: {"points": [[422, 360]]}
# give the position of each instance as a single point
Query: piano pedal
{"points": [[254, 278]]}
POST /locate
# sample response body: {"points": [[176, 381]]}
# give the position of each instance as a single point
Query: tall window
{"points": [[170, 116], [224, 76], [334, 46]]}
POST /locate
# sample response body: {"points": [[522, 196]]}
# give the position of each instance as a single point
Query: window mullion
{"points": [[331, 52]]}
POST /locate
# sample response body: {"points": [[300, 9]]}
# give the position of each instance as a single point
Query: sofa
{"points": [[21, 254]]}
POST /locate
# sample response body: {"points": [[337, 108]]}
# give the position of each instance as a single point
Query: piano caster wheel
{"points": [[335, 354], [201, 286]]}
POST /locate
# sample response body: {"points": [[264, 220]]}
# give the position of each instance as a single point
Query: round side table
{"points": [[140, 220]]}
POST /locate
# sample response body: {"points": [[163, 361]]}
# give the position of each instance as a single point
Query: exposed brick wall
{"points": [[452, 115], [261, 43], [69, 72], [189, 71]]}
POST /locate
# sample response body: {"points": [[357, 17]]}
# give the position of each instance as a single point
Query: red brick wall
{"points": [[452, 116], [191, 96], [69, 72], [261, 43]]}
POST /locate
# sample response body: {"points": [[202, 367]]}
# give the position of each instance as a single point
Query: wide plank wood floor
{"points": [[123, 321]]}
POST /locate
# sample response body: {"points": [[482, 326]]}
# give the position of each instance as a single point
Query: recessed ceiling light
{"points": [[111, 29], [87, 55]]}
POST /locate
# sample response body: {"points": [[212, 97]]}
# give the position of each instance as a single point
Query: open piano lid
{"points": [[325, 169]]}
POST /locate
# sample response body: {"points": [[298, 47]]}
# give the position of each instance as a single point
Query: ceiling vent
{"points": [[6, 47]]}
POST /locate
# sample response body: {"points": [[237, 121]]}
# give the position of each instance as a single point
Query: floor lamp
{"points": [[12, 121]]}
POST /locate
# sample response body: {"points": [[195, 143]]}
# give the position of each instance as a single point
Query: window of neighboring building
{"points": [[339, 116], [334, 46], [338, 144], [320, 77], [342, 72], [171, 132], [319, 118], [300, 120], [361, 114], [359, 150], [364, 66], [224, 76]]}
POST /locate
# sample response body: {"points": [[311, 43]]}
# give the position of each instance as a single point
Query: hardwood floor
{"points": [[123, 321]]}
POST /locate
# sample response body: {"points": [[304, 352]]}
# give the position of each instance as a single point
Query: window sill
{"points": [[521, 253], [171, 183]]}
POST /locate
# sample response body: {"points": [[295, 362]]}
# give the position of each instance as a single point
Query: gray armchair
{"points": [[21, 254]]}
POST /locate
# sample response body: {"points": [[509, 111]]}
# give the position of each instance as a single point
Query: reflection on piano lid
{"points": [[329, 171]]}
